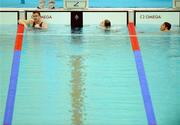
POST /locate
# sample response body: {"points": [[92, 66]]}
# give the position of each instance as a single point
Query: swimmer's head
{"points": [[36, 16], [165, 26], [106, 23]]}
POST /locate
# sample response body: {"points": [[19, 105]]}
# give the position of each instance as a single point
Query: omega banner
{"points": [[157, 17], [116, 18], [54, 17]]}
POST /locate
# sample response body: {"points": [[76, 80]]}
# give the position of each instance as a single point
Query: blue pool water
{"points": [[89, 77], [96, 3]]}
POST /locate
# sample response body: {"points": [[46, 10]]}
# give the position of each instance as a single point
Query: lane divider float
{"points": [[142, 76], [8, 115]]}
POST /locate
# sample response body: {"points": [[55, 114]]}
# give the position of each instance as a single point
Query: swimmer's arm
{"points": [[102, 27], [26, 22], [44, 25], [115, 30], [110, 29]]}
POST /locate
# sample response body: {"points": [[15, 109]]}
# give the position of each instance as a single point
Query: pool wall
{"points": [[95, 16], [157, 17], [9, 17]]}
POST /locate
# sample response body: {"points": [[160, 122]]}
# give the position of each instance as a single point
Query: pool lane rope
{"points": [[8, 115], [142, 76]]}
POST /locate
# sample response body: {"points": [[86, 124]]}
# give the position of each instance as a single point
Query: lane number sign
{"points": [[75, 4]]}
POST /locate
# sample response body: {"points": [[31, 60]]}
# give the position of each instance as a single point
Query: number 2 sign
{"points": [[75, 4]]}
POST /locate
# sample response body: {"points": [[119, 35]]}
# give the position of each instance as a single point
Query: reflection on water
{"points": [[76, 35], [77, 90]]}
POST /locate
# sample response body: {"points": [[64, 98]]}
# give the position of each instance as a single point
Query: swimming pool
{"points": [[89, 77], [95, 3]]}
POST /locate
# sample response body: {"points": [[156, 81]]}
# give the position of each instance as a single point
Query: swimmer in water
{"points": [[36, 21], [105, 24], [165, 27]]}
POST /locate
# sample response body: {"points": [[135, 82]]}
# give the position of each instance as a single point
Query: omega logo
{"points": [[150, 17], [46, 17]]}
